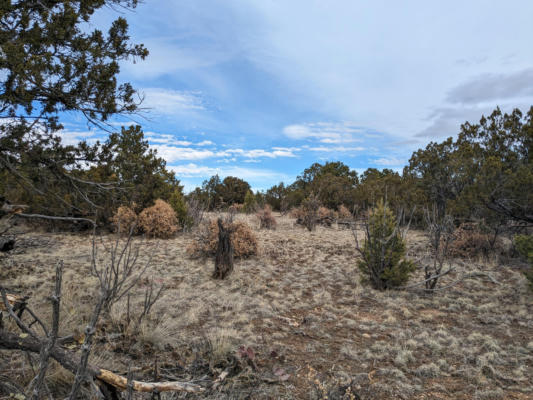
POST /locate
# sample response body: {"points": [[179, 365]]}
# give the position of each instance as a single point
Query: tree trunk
{"points": [[224, 255]]}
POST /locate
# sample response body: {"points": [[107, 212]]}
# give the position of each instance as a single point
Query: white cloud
{"points": [[69, 137], [173, 154], [171, 102], [258, 153], [337, 149], [325, 132], [199, 171], [204, 143], [389, 161]]}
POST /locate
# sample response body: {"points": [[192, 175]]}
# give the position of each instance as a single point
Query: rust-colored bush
{"points": [[468, 242], [159, 220], [326, 216], [124, 220], [205, 244], [266, 219], [344, 213]]}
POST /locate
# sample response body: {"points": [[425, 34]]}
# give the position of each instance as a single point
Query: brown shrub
{"points": [[124, 220], [326, 216], [344, 213], [242, 237], [266, 218], [159, 220], [296, 212], [236, 208], [468, 242]]}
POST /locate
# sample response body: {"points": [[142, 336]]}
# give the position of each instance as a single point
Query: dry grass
{"points": [[299, 306]]}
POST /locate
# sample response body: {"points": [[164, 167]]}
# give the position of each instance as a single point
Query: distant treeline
{"points": [[486, 174]]}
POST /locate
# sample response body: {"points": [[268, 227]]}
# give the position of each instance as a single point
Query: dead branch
{"points": [[12, 341], [49, 345]]}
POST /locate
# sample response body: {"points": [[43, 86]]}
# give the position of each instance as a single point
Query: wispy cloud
{"points": [[175, 153], [325, 132], [193, 170], [336, 149], [168, 101], [389, 161]]}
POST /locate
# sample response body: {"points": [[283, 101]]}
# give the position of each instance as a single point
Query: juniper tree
{"points": [[51, 62]]}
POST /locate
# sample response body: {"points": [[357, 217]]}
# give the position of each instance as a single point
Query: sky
{"points": [[261, 89]]}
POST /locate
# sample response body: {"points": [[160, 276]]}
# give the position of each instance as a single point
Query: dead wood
{"points": [[224, 255], [12, 341]]}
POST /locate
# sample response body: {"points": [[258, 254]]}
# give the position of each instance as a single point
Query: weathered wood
{"points": [[18, 303], [11, 341], [224, 255]]}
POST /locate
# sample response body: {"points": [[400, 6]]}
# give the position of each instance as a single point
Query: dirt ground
{"points": [[312, 329]]}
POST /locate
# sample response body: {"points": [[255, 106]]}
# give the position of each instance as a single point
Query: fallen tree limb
{"points": [[12, 341]]}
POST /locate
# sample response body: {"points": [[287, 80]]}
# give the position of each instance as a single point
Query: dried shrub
{"points": [[297, 213], [344, 213], [159, 220], [307, 213], [325, 216], [205, 244], [468, 242], [124, 220], [266, 219], [236, 208]]}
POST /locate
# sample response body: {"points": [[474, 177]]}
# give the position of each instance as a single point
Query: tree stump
{"points": [[224, 255]]}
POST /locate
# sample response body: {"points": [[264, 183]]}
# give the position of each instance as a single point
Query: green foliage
{"points": [[179, 205], [53, 62], [524, 245], [249, 202], [216, 193], [383, 263], [233, 190]]}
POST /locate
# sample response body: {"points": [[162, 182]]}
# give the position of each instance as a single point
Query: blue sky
{"points": [[262, 89]]}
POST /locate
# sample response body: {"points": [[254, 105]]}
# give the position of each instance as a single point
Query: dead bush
{"points": [[236, 208], [469, 242], [205, 244], [311, 213], [124, 220], [159, 220], [326, 216], [344, 213], [266, 219]]}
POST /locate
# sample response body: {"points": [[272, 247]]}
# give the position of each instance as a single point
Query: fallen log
{"points": [[12, 341]]}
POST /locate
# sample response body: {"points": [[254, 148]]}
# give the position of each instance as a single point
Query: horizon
{"points": [[263, 90]]}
